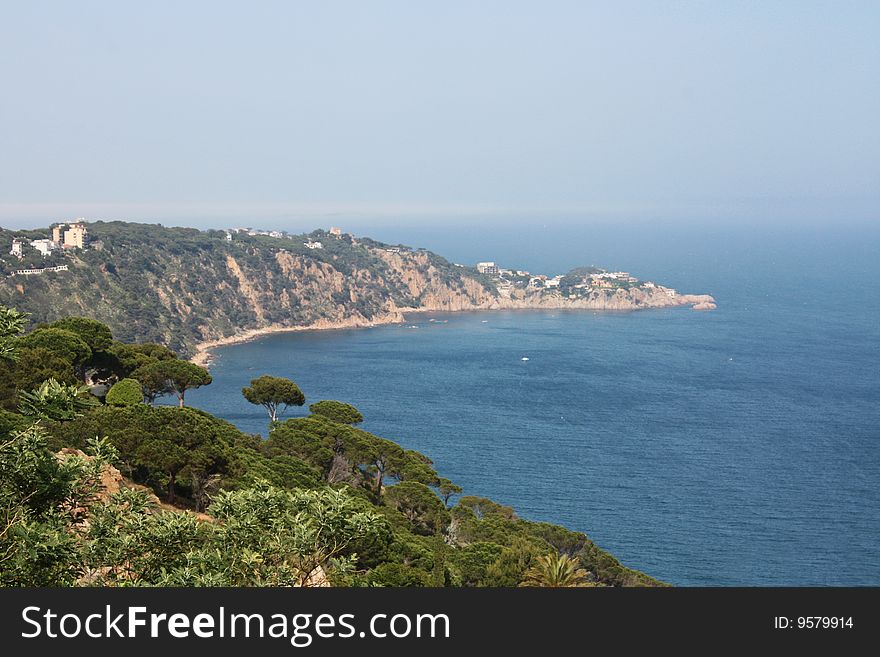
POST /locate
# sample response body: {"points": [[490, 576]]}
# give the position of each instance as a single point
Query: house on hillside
{"points": [[45, 246]]}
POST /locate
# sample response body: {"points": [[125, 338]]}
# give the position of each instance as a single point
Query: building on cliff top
{"points": [[45, 247], [74, 236]]}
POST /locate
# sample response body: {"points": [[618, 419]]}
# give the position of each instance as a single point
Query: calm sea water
{"points": [[735, 447]]}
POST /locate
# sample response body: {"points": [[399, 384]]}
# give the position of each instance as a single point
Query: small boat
{"points": [[524, 358]]}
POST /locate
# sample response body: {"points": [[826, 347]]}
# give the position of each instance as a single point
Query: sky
{"points": [[299, 114]]}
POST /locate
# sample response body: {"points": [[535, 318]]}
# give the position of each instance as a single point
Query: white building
{"points": [[16, 248], [336, 232], [487, 268], [45, 247], [552, 282], [668, 291], [33, 272], [313, 245]]}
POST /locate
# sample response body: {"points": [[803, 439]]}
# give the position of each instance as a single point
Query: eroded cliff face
{"points": [[427, 285], [429, 288], [183, 288]]}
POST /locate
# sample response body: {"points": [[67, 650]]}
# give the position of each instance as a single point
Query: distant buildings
{"points": [[313, 245], [73, 235], [32, 272], [70, 236], [336, 232], [45, 247], [577, 283]]}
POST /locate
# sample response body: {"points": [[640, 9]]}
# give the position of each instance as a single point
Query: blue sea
{"points": [[734, 447]]}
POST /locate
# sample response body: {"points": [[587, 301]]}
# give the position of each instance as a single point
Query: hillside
{"points": [[182, 287], [174, 496]]}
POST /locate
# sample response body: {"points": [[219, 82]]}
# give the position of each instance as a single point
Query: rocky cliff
{"points": [[184, 287]]}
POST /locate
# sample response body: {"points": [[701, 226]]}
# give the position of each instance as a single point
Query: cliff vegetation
{"points": [[101, 487]]}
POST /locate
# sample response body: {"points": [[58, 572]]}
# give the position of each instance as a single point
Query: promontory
{"points": [[187, 288]]}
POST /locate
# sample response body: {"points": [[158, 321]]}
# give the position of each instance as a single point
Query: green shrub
{"points": [[126, 392], [396, 574]]}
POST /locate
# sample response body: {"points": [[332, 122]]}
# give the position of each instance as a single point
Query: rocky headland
{"points": [[195, 290]]}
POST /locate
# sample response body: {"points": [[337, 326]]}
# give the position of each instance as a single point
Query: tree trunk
{"points": [[380, 474], [180, 400], [171, 479]]}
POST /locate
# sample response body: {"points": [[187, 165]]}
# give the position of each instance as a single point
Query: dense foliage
{"points": [[126, 392], [337, 411], [122, 493]]}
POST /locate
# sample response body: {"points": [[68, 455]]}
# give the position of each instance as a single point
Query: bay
{"points": [[735, 447]]}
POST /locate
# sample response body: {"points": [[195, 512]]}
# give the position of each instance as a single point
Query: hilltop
{"points": [[184, 287]]}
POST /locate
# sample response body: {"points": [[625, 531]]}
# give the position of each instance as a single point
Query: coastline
{"points": [[202, 354], [203, 350]]}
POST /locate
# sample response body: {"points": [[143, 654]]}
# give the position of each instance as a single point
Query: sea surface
{"points": [[734, 447]]}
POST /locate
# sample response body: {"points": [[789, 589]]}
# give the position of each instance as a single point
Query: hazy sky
{"points": [[289, 112]]}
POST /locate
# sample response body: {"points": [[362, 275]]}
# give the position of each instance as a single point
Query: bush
{"points": [[126, 392], [396, 575]]}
